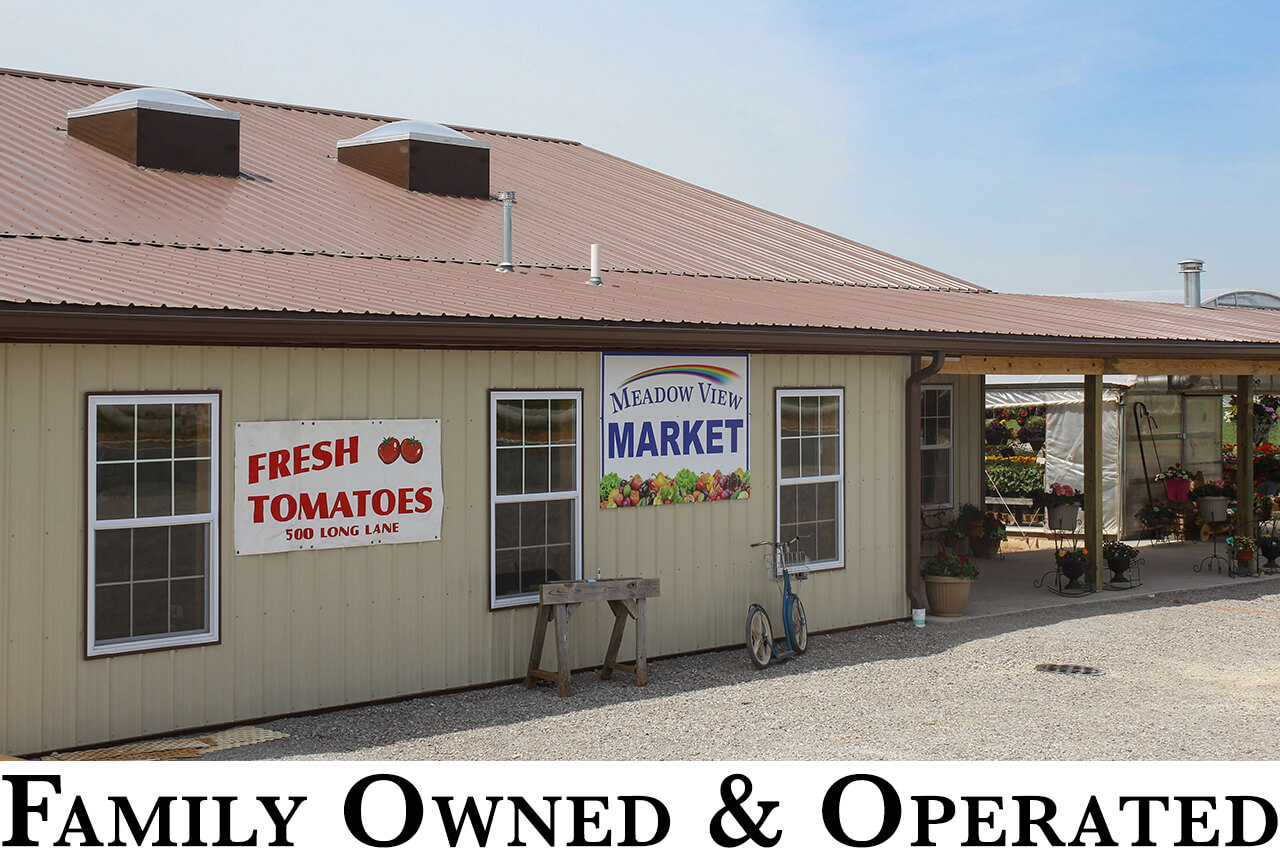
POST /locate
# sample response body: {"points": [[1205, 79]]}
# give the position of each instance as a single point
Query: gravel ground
{"points": [[1189, 675]]}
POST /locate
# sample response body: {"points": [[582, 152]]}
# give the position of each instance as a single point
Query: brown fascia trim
{"points": [[25, 322]]}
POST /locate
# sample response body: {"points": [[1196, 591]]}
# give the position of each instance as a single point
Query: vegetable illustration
{"points": [[389, 450], [410, 450]]}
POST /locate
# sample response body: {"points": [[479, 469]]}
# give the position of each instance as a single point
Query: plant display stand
{"points": [[1129, 578], [1215, 561], [1244, 569], [626, 597], [1063, 581]]}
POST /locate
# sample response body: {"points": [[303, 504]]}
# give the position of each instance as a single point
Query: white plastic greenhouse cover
{"points": [[1064, 436]]}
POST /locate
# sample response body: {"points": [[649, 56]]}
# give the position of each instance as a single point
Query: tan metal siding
{"points": [[966, 434], [308, 629]]}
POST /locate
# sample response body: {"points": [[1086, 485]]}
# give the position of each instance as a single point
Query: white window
{"points": [[535, 515], [153, 521], [811, 473], [935, 447]]}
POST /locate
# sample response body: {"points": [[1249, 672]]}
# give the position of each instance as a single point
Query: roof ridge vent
{"points": [[421, 156], [163, 129]]}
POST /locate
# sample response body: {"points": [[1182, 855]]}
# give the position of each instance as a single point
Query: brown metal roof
{"points": [[301, 249], [294, 195], [95, 273]]}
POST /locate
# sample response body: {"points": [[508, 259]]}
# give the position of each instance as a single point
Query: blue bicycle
{"points": [[782, 562]]}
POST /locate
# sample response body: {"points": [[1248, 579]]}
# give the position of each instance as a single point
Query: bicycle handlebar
{"points": [[787, 543]]}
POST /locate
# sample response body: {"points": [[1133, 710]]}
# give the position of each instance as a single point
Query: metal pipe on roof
{"points": [[508, 198], [1191, 269], [595, 266]]}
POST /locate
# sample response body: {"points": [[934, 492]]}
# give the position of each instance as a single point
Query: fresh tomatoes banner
{"points": [[673, 429], [336, 483]]}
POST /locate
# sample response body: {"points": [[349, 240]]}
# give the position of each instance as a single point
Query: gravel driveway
{"points": [[1190, 675]]}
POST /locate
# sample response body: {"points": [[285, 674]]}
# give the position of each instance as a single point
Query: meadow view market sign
{"points": [[673, 429], [336, 483]]}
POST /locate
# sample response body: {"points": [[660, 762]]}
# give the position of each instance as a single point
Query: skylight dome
{"points": [[413, 129], [153, 98]]}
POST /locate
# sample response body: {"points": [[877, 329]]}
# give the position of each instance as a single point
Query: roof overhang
{"points": [[29, 322]]}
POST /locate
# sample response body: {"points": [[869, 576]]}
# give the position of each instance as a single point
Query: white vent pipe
{"points": [[508, 198], [1191, 269], [595, 266]]}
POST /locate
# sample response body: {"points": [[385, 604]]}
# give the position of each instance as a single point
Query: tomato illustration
{"points": [[389, 450], [411, 450]]}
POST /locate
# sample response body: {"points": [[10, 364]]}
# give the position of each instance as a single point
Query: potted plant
{"points": [[1211, 499], [970, 521], [1270, 548], [1032, 432], [947, 579], [1263, 506], [1177, 482], [952, 534], [993, 533], [1244, 548], [1073, 563], [1119, 557], [1062, 504], [1156, 517]]}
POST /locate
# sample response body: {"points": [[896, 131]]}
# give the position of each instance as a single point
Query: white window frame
{"points": [[949, 445], [211, 633], [837, 478], [496, 396]]}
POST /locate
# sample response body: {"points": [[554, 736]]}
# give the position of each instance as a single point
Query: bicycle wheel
{"points": [[759, 637], [799, 638]]}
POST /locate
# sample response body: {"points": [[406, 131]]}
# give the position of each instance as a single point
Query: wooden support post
{"points": [[1244, 455], [539, 640], [562, 650], [1093, 475]]}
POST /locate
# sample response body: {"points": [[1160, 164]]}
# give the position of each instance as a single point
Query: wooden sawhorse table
{"points": [[626, 597]]}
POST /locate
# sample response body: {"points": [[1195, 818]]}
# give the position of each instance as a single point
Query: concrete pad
{"points": [[1006, 583]]}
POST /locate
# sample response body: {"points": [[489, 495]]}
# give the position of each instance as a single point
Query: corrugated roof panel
{"points": [[49, 272], [294, 195]]}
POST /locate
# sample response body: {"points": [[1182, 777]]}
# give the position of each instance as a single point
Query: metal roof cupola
{"points": [[162, 129], [421, 156]]}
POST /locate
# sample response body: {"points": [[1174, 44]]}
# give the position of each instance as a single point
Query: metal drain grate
{"points": [[1069, 669]]}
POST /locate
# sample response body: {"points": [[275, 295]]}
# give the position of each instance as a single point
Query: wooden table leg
{"points": [[539, 638], [615, 640], [562, 650], [642, 671]]}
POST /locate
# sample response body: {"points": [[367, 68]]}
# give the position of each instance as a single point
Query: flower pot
{"points": [[1118, 565], [1243, 557], [979, 546], [973, 530], [1213, 509], [948, 596], [951, 541], [1064, 516], [1176, 488], [1271, 550], [1073, 571]]}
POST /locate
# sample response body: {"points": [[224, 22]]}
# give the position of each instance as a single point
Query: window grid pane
{"points": [[536, 454], [935, 429], [809, 473], [151, 459]]}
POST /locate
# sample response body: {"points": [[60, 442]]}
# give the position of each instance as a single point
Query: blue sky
{"points": [[1043, 147]]}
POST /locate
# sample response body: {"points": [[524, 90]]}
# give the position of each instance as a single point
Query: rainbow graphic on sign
{"points": [[716, 374]]}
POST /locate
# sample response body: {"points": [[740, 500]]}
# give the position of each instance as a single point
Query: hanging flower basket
{"points": [[1063, 516]]}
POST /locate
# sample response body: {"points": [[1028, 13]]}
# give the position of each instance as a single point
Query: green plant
{"points": [[1072, 556], [1212, 488], [969, 514], [944, 564], [993, 529], [1015, 475], [1154, 514], [1119, 550], [1174, 471], [1242, 543], [953, 530], [1060, 495]]}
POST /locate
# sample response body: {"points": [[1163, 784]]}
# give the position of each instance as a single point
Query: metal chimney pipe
{"points": [[1191, 269], [595, 266], [508, 198]]}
